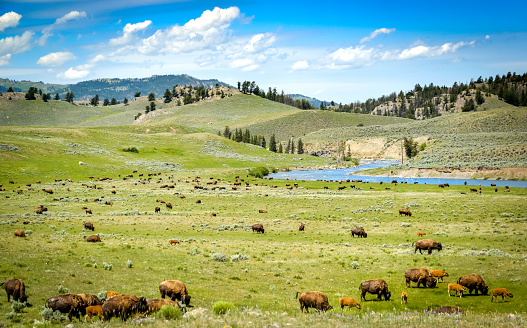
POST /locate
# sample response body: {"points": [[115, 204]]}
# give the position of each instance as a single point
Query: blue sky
{"points": [[344, 51]]}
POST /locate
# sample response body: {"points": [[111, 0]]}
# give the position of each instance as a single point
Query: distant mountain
{"points": [[113, 88], [313, 101]]}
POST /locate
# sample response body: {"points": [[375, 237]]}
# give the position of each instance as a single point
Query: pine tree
{"points": [[95, 101], [113, 102], [280, 148], [300, 148], [125, 101], [292, 146], [30, 95], [167, 96], [57, 97], [151, 96], [288, 147], [152, 106], [106, 102]]}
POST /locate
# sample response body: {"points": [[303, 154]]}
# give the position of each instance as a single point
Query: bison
{"points": [[457, 288], [88, 211], [427, 244], [157, 209], [94, 310], [176, 290], [20, 233], [72, 304], [474, 282], [420, 234], [90, 299], [349, 302], [156, 304], [503, 292], [89, 226], [262, 211], [258, 228], [378, 287], [173, 241], [124, 306], [110, 294], [302, 227], [448, 309], [16, 288], [404, 298], [93, 239], [316, 300], [421, 276], [405, 211], [168, 205], [438, 274], [360, 232]]}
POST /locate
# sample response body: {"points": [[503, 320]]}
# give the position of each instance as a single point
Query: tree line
{"points": [[248, 87], [245, 136]]}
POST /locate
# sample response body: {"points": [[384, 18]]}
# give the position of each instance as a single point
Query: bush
{"points": [[222, 307], [49, 315], [220, 257], [107, 266], [63, 290], [102, 294], [41, 324], [355, 265], [129, 264], [169, 312], [239, 257], [259, 172], [131, 150], [17, 307]]}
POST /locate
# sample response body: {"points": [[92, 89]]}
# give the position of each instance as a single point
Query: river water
{"points": [[352, 174]]}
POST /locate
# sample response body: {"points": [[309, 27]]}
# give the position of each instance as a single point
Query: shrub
{"points": [[129, 264], [107, 266], [169, 312], [220, 257], [131, 150], [239, 257], [63, 290], [222, 307], [102, 294], [355, 265], [17, 307], [49, 315], [259, 172], [12, 316], [406, 224], [41, 324]]}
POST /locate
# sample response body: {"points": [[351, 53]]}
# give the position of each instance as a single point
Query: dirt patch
{"points": [[10, 156], [515, 173]]}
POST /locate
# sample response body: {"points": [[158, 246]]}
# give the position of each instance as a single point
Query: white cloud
{"points": [[55, 59], [70, 16], [377, 32], [72, 74], [300, 65], [128, 31], [259, 42], [423, 51], [250, 68], [414, 52], [241, 63], [352, 57], [487, 37], [16, 44], [4, 60], [9, 19]]}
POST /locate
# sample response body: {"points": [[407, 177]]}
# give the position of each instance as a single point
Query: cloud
{"points": [[250, 68], [259, 42], [423, 51], [56, 59], [414, 52], [48, 31], [4, 60], [72, 74], [352, 57], [300, 65], [10, 19], [17, 44], [487, 37], [204, 32], [241, 63], [128, 31], [377, 32]]}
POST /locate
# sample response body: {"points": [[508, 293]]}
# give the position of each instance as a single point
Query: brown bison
{"points": [[427, 244], [88, 211], [176, 290], [20, 233], [457, 288], [156, 304], [89, 226], [302, 227], [16, 288], [124, 306], [421, 276], [503, 292], [258, 228], [421, 234], [404, 298], [360, 232], [157, 209], [316, 300], [90, 299], [438, 274], [349, 302], [173, 241], [72, 304], [94, 310], [262, 211], [474, 282], [405, 211], [168, 205], [110, 294], [378, 287], [448, 309], [93, 239]]}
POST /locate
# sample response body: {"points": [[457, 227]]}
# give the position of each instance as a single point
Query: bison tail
{"points": [[413, 243], [297, 295], [2, 283]]}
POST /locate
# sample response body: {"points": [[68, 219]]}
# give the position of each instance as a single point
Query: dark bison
{"points": [[359, 232], [168, 205], [20, 233], [72, 304], [16, 288], [157, 209], [316, 300], [378, 287], [124, 306], [405, 211], [89, 226], [448, 309], [421, 276], [88, 211], [176, 290], [302, 227], [427, 244], [258, 228], [474, 282], [93, 239]]}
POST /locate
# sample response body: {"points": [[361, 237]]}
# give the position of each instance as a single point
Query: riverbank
{"points": [[516, 173]]}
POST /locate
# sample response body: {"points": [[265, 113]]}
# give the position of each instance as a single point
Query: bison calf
{"points": [[20, 233], [94, 310], [349, 302], [404, 298], [457, 288], [438, 274], [503, 292]]}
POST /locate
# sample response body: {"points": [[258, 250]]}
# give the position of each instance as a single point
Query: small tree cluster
{"points": [[252, 88], [410, 147], [244, 136]]}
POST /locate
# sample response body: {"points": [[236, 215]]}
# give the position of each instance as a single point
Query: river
{"points": [[350, 173]]}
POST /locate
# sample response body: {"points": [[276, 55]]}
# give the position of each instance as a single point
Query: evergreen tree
{"points": [[147, 109], [113, 102], [292, 146], [106, 102], [167, 96], [264, 144], [30, 95], [479, 97], [152, 106], [125, 101], [57, 97], [95, 101], [272, 144], [10, 89], [300, 147], [288, 147], [410, 147], [151, 96], [227, 132], [137, 94], [46, 97], [280, 148]]}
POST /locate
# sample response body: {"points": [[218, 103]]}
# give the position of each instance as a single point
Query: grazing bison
{"points": [[94, 310], [359, 232], [448, 309], [20, 233], [427, 244], [156, 304], [88, 211], [173, 241], [421, 276], [124, 306], [405, 211], [404, 298], [258, 228], [349, 302], [378, 287], [316, 300], [457, 288], [72, 304], [89, 226], [421, 234], [176, 290], [93, 239], [438, 274], [262, 211], [16, 288], [503, 292], [157, 209], [474, 282], [110, 294], [169, 205], [302, 227]]}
